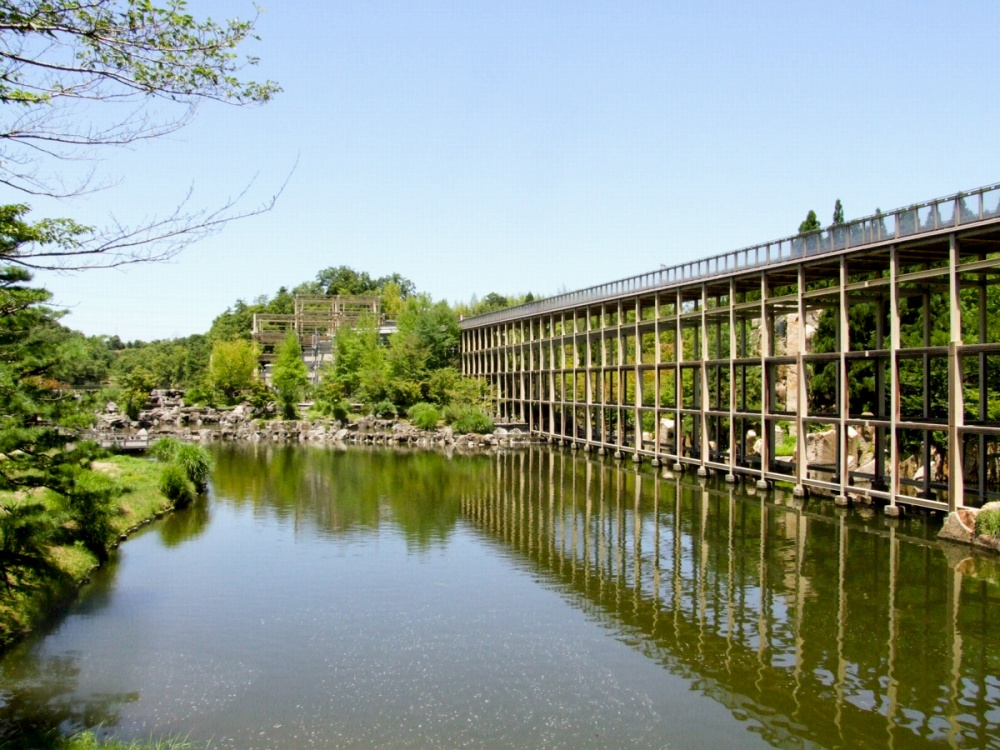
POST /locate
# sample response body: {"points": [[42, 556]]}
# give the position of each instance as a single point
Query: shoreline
{"points": [[26, 612]]}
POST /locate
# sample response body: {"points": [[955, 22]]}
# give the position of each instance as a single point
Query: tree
{"points": [[810, 224], [359, 362], [147, 68], [232, 367], [838, 213], [289, 374], [39, 450], [393, 289]]}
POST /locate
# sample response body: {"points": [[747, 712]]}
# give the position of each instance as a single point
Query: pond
{"points": [[323, 598]]}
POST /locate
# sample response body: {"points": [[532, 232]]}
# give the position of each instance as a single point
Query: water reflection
{"points": [[45, 705], [816, 624], [338, 491], [326, 598], [184, 525]]}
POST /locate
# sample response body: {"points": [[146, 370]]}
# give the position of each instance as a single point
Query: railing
{"points": [[931, 216]]}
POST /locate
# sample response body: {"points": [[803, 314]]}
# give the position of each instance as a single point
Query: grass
{"points": [[786, 446], [988, 522], [89, 741], [24, 610]]}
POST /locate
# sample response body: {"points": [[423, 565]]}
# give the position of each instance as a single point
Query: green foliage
{"points": [[197, 463], [385, 410], [491, 302], [838, 213], [988, 522], [392, 289], [236, 322], [232, 367], [289, 374], [38, 450], [785, 446], [194, 460], [176, 486], [465, 419], [328, 398], [90, 497], [424, 415], [810, 224], [259, 395], [89, 741], [432, 329], [25, 532], [165, 449], [200, 395], [177, 363], [135, 386]]}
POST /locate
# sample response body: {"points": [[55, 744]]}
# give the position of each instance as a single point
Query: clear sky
{"points": [[481, 146]]}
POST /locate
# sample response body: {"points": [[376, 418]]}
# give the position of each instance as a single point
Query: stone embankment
{"points": [[960, 526], [167, 416]]}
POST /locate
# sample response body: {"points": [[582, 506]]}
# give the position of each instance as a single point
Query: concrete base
{"points": [[702, 471], [678, 467], [731, 478], [601, 452], [586, 449], [655, 463], [575, 446], [619, 455], [763, 484], [636, 458], [893, 511], [799, 491], [842, 500]]}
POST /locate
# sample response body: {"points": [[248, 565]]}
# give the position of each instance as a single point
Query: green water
{"points": [[538, 599]]}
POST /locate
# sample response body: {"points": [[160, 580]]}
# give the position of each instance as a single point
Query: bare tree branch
{"points": [[76, 76]]}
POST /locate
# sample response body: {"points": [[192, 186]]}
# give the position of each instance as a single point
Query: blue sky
{"points": [[546, 146]]}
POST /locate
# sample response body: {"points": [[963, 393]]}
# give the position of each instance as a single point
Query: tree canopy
{"points": [[810, 223]]}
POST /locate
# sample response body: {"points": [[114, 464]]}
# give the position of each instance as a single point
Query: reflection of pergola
{"points": [[316, 320]]}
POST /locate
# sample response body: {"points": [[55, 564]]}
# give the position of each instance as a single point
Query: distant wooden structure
{"points": [[316, 320]]}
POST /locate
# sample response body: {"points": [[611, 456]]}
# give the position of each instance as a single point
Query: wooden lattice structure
{"points": [[708, 364], [316, 320]]}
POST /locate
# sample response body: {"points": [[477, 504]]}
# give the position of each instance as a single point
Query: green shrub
{"points": [[424, 415], [331, 409], [165, 449], [289, 408], [196, 462], [200, 395], [193, 460], [174, 483], [472, 421], [988, 522], [786, 446], [385, 409], [90, 498], [259, 395]]}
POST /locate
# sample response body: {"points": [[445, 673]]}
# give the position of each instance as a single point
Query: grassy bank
{"points": [[89, 741], [25, 609]]}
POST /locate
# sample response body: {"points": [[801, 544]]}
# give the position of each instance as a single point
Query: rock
{"points": [[956, 529], [666, 431]]}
